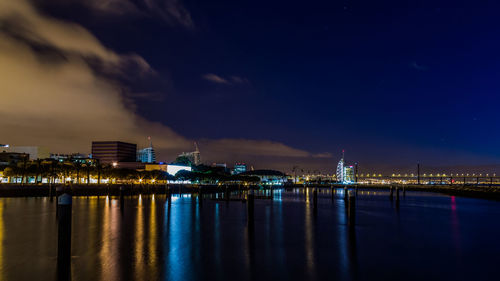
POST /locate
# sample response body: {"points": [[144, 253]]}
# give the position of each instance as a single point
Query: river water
{"points": [[425, 237]]}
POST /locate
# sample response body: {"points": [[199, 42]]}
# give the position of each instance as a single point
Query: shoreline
{"points": [[16, 190]]}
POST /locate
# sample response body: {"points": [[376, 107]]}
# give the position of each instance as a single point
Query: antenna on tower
{"points": [[150, 141], [343, 152], [196, 147]]}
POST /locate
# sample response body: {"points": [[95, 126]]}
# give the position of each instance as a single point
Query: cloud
{"points": [[241, 147], [417, 66], [63, 103], [239, 80], [221, 80], [53, 95], [171, 11], [215, 78], [323, 155]]}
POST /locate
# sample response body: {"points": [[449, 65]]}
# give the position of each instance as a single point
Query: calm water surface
{"points": [[429, 237]]}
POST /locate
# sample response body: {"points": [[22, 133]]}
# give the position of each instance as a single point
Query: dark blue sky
{"points": [[407, 81]]}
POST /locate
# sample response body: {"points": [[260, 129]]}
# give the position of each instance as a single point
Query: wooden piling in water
{"points": [[121, 197], [315, 198], [250, 208], [64, 206], [226, 194], [391, 193], [200, 196], [351, 213]]}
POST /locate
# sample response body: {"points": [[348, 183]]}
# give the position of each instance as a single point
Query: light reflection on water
{"points": [[153, 238]]}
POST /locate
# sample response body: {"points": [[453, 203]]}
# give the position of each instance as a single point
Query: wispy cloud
{"points": [[221, 80], [171, 11], [214, 78], [322, 155], [417, 66], [239, 80]]}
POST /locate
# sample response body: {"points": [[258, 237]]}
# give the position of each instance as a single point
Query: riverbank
{"points": [[16, 190], [472, 191], [481, 192]]}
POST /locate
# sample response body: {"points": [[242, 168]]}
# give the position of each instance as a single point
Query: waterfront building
{"points": [[110, 152], [340, 170], [174, 169], [34, 152], [147, 155], [348, 174], [345, 174], [239, 168], [63, 157], [270, 177], [157, 167]]}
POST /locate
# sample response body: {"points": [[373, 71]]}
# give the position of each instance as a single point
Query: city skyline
{"points": [[274, 89]]}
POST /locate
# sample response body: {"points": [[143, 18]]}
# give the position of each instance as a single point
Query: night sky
{"points": [[271, 83]]}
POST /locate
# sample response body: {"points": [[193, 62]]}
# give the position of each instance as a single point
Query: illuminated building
{"points": [[270, 177], [345, 174], [348, 174], [174, 169], [108, 152], [340, 169], [63, 157], [239, 168], [147, 155], [157, 167]]}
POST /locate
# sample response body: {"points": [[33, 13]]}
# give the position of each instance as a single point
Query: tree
{"points": [[183, 160]]}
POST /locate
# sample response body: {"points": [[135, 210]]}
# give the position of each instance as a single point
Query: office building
{"points": [[108, 152], [345, 174], [147, 155]]}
